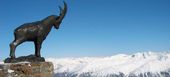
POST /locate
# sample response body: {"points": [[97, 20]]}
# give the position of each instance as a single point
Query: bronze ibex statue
{"points": [[36, 31]]}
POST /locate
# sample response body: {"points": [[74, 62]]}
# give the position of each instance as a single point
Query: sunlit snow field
{"points": [[135, 64]]}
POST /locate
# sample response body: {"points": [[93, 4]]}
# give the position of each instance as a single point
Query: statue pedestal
{"points": [[27, 69]]}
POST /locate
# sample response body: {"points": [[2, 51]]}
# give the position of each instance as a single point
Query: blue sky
{"points": [[91, 27]]}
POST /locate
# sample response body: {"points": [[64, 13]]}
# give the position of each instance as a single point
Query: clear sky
{"points": [[91, 27]]}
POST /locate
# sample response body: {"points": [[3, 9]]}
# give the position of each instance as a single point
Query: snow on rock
{"points": [[136, 64], [10, 71]]}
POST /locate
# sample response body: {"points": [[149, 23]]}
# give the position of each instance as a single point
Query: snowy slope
{"points": [[147, 64]]}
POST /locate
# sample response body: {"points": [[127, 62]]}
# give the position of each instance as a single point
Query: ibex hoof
{"points": [[12, 57], [37, 55]]}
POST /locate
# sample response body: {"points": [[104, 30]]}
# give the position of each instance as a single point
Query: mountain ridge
{"points": [[145, 64]]}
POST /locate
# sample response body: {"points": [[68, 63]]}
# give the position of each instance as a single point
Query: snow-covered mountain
{"points": [[146, 64]]}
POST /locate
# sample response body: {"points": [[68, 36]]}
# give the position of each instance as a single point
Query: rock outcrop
{"points": [[27, 69]]}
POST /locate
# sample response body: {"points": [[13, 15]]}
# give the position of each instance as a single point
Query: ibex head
{"points": [[61, 16]]}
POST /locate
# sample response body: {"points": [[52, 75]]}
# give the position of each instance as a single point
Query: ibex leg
{"points": [[13, 46], [37, 48]]}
